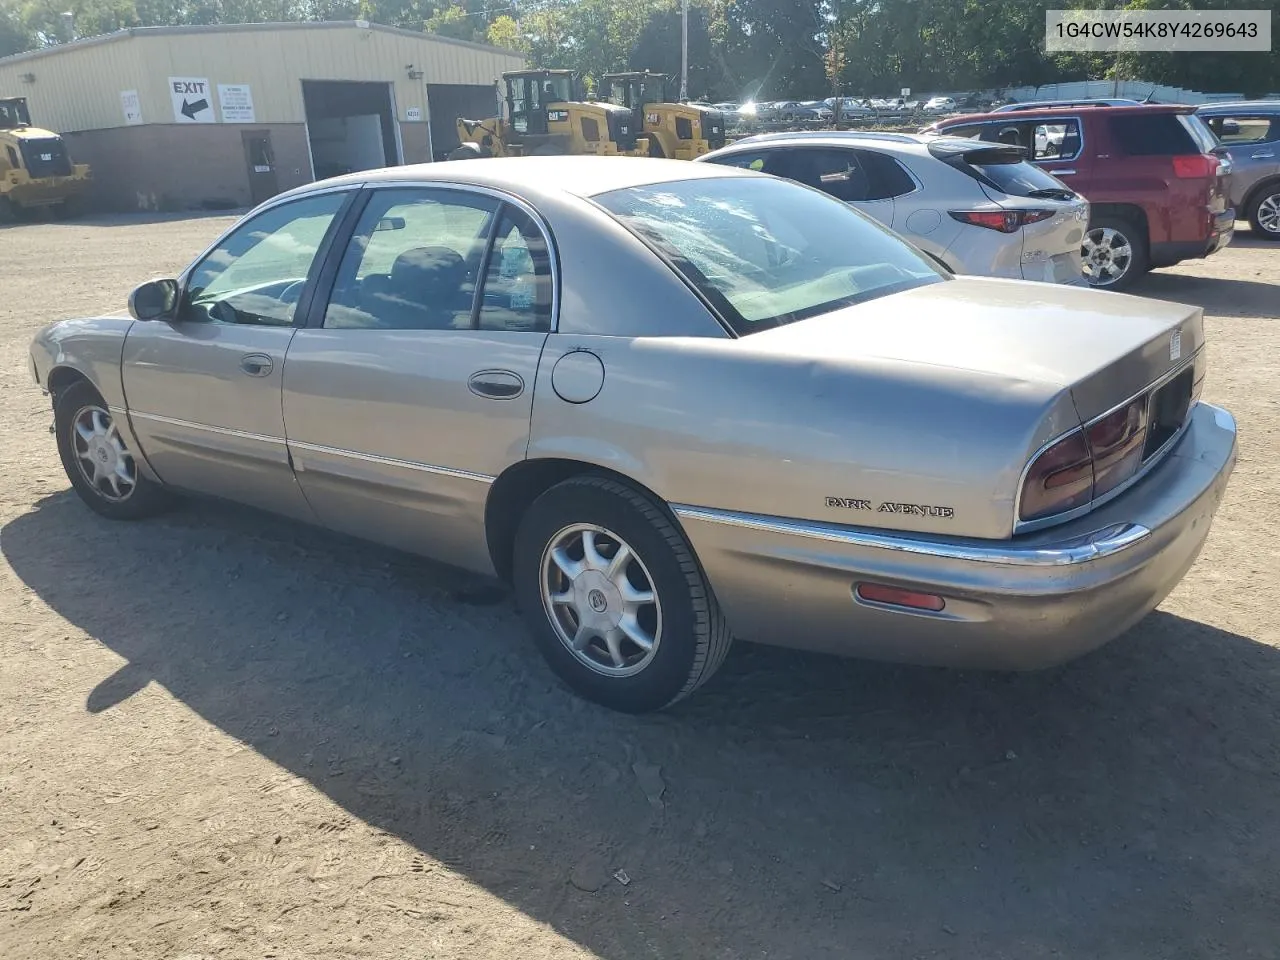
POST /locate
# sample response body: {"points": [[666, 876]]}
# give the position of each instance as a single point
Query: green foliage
{"points": [[737, 48]]}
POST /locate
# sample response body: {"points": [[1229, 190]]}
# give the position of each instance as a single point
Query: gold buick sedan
{"points": [[672, 404]]}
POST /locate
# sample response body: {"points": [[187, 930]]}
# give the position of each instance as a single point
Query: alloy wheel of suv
{"points": [[1114, 254], [1264, 218]]}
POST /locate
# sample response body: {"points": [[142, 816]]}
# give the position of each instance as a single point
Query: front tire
{"points": [[99, 465], [1114, 253], [1264, 213], [614, 597]]}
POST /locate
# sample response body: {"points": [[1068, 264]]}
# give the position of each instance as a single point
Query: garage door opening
{"points": [[446, 102], [351, 126]]}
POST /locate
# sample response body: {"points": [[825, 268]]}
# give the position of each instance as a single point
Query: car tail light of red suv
{"points": [[1194, 165]]}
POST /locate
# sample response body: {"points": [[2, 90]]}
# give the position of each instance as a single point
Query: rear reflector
{"points": [[895, 596], [1006, 221], [1195, 165]]}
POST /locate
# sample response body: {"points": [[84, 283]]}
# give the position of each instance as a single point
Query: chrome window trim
{"points": [[257, 211], [208, 428], [387, 462], [1026, 526], [1096, 545], [553, 252]]}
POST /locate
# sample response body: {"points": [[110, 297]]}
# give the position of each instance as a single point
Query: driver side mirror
{"points": [[154, 300]]}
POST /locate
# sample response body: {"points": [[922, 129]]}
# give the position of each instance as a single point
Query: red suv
{"points": [[1158, 191]]}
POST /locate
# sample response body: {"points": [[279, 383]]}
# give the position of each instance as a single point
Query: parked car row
{"points": [[1104, 190]]}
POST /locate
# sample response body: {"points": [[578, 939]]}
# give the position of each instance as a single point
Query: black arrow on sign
{"points": [[189, 109]]}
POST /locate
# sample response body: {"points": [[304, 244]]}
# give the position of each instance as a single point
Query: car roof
{"points": [[834, 136], [581, 176], [1235, 106], [1058, 104], [1021, 116]]}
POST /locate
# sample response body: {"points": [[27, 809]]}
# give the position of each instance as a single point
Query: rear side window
{"points": [[885, 176], [1153, 135]]}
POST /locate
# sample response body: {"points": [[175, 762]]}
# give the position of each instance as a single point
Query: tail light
{"points": [[1116, 442], [1060, 479], [1195, 165], [1087, 463], [1006, 221]]}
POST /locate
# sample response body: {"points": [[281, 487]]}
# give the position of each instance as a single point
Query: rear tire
{"points": [[1114, 252], [1264, 213], [668, 635], [99, 465]]}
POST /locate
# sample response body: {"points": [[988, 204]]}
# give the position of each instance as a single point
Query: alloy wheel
{"points": [[1107, 255], [1269, 213], [601, 600], [103, 459]]}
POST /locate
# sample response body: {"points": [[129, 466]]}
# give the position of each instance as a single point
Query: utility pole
{"points": [[684, 50]]}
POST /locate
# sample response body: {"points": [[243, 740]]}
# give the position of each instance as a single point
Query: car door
{"points": [[1252, 140], [203, 391], [411, 388]]}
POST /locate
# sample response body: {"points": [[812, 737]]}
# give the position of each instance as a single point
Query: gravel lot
{"points": [[223, 735]]}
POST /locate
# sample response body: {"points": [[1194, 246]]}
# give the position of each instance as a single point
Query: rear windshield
{"points": [[1157, 135], [765, 252], [1021, 179]]}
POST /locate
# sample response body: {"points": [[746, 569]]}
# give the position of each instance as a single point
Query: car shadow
{"points": [[801, 805], [1219, 296]]}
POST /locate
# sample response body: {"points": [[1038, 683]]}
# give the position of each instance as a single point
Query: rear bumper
{"points": [[1174, 251], [1029, 602]]}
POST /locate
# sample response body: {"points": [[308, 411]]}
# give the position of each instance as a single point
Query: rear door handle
{"points": [[256, 364], [1062, 173], [496, 384], [1265, 155]]}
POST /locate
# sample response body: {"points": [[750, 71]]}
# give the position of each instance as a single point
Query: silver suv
{"points": [[977, 208], [1250, 133]]}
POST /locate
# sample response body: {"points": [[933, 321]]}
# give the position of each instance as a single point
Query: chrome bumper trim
{"points": [[1083, 549]]}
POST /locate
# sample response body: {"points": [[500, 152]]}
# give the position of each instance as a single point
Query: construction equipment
{"points": [[36, 171], [679, 131], [546, 114]]}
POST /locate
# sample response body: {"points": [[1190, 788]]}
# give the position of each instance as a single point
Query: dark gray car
{"points": [[1250, 133]]}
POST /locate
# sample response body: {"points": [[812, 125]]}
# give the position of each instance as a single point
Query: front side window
{"points": [[412, 262], [767, 252], [1245, 130], [256, 275]]}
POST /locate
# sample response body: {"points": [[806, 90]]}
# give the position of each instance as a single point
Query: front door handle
{"points": [[496, 384], [256, 364], [1264, 155], [1063, 173]]}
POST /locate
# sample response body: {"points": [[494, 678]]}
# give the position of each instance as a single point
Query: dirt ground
{"points": [[223, 735]]}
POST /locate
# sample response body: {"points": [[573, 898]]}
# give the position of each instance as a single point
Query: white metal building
{"points": [[183, 117]]}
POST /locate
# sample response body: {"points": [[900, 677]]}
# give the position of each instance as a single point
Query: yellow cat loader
{"points": [[545, 115], [677, 131], [35, 169]]}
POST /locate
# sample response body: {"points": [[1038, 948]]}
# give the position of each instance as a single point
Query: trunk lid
{"points": [[1103, 347]]}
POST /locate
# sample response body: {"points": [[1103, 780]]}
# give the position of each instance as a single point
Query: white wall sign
{"points": [[236, 100], [906, 91], [413, 113], [131, 106], [191, 100]]}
